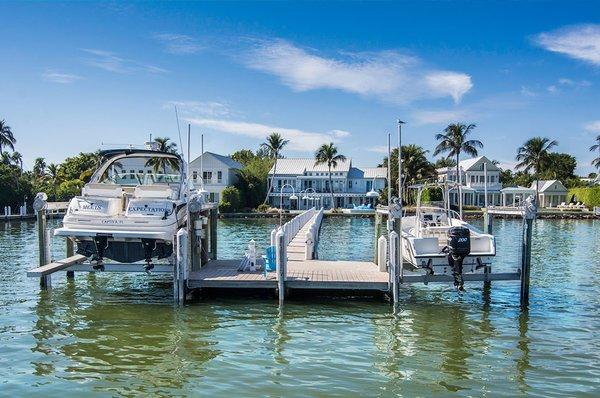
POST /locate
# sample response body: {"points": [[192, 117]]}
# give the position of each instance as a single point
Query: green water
{"points": [[119, 335]]}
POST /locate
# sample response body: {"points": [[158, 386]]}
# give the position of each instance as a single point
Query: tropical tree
{"points": [[161, 163], [39, 167], [328, 154], [454, 140], [533, 155], [415, 166], [444, 162], [6, 158], [7, 139], [17, 159], [273, 147], [593, 148], [53, 177]]}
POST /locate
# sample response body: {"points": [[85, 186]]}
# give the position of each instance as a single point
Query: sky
{"points": [[82, 76]]}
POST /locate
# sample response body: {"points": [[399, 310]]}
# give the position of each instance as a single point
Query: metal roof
{"points": [[545, 185], [298, 166], [375, 172]]}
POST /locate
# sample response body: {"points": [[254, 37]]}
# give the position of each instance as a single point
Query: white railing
{"points": [[291, 228], [312, 235]]}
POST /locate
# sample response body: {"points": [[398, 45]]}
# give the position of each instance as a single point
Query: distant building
{"points": [[552, 192], [219, 172], [310, 184], [472, 176]]}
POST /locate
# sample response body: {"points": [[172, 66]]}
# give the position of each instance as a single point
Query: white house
{"points": [[472, 177], [552, 192], [309, 183], [219, 172]]}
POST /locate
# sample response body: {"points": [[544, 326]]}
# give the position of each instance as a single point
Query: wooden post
{"points": [[526, 263], [281, 260], [70, 252], [488, 220], [214, 217], [46, 280], [382, 253]]}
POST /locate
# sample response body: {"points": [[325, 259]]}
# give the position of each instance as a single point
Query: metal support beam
{"points": [[488, 220]]}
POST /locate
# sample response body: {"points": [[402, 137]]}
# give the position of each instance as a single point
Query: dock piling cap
{"points": [[40, 202]]}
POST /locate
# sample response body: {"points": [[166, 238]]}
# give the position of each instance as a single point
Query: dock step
{"points": [[56, 266]]}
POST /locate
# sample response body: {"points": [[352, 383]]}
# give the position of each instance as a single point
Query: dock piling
{"points": [[393, 267], [43, 247], [70, 252], [180, 265], [488, 221], [530, 212], [381, 258], [281, 260]]}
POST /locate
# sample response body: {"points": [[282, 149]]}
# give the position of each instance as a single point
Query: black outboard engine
{"points": [[459, 247]]}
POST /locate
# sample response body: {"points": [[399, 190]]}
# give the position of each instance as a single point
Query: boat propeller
{"points": [[149, 246], [101, 244]]}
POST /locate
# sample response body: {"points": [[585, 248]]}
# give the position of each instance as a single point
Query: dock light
{"points": [[372, 194], [293, 197]]}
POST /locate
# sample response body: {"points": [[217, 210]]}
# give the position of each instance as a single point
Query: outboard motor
{"points": [[459, 247]]}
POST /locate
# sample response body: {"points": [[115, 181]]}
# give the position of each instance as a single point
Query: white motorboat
{"points": [[437, 241], [131, 209]]}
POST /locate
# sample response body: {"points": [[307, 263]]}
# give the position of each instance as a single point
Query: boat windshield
{"points": [[142, 170]]}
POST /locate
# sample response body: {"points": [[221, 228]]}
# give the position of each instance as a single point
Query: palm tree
{"points": [[160, 163], [273, 146], [17, 159], [7, 139], [532, 155], [454, 141], [53, 175], [596, 147], [6, 158], [328, 154], [39, 167]]}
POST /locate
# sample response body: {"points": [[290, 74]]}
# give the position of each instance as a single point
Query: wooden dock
{"points": [[304, 274]]}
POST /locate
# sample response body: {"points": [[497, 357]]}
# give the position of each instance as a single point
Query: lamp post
{"points": [[292, 197], [306, 196], [372, 194]]}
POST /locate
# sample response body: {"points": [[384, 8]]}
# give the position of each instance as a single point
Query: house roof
{"points": [[469, 164], [550, 185], [298, 166], [375, 172], [517, 189], [226, 160]]}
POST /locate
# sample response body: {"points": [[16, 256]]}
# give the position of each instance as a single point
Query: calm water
{"points": [[119, 335]]}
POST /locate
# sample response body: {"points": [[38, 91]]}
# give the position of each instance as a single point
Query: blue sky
{"points": [[75, 76]]}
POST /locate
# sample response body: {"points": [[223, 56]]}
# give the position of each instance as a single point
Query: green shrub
{"points": [[589, 196], [68, 189], [230, 200], [263, 208]]}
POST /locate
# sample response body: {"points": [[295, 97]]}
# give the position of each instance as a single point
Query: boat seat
{"points": [[154, 191], [102, 190]]}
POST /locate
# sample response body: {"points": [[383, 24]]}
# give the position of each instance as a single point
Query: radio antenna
{"points": [[179, 130]]}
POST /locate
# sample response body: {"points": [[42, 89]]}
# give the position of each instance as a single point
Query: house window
{"points": [[219, 176], [207, 176], [132, 174], [349, 184], [195, 175]]}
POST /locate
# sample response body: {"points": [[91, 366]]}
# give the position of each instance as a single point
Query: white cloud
{"points": [[552, 89], [300, 140], [593, 126], [438, 116], [379, 149], [203, 108], [580, 42], [58, 77], [574, 83], [112, 63], [387, 75], [178, 44]]}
